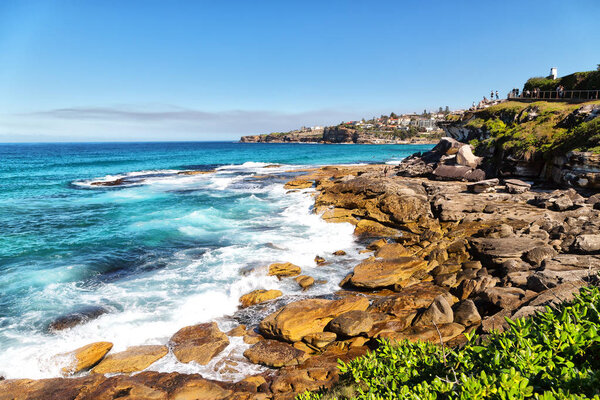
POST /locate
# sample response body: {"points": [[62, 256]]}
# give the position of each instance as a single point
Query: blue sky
{"points": [[206, 70]]}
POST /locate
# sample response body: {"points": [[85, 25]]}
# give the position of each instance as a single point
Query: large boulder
{"points": [[485, 186], [516, 186], [439, 312], [408, 299], [458, 173], [259, 296], [588, 243], [282, 270], [465, 156], [86, 357], [466, 313], [351, 323], [298, 319], [380, 273], [133, 359], [273, 353], [199, 343], [509, 247]]}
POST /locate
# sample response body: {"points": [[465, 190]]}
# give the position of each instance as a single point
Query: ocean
{"points": [[161, 251]]}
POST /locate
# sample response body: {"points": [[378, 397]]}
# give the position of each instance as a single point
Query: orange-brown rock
{"points": [[392, 251], [397, 324], [427, 334], [320, 339], [86, 357], [282, 270], [301, 318], [305, 281], [380, 273], [370, 228], [259, 296], [133, 359], [298, 184], [339, 253], [199, 343], [273, 353], [146, 385], [412, 298], [351, 323]]}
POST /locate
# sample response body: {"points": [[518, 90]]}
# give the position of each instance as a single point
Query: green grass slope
{"points": [[542, 128]]}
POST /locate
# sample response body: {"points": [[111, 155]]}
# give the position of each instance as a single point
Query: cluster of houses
{"points": [[427, 122]]}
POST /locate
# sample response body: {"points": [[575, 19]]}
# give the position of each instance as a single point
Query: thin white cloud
{"points": [[157, 123]]}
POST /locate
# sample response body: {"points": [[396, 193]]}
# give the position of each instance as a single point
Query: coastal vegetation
{"points": [[587, 80], [539, 129], [552, 355]]}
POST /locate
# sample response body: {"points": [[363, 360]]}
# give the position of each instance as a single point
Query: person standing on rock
{"points": [[497, 97]]}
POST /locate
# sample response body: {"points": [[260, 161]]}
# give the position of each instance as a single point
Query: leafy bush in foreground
{"points": [[553, 355]]}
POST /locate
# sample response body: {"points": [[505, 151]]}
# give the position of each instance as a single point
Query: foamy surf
{"points": [[243, 222]]}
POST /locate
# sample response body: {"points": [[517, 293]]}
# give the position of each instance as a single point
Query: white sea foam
{"points": [[269, 225]]}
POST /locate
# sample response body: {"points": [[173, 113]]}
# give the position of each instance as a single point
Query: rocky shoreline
{"points": [[446, 257]]}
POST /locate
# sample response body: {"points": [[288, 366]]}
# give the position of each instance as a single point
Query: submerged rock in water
{"points": [[77, 317]]}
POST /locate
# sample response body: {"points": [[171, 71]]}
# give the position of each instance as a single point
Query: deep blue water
{"points": [[161, 252]]}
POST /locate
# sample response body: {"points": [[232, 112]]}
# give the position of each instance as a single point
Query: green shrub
{"points": [[553, 355]]}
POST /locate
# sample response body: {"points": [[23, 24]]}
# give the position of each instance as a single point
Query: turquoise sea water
{"points": [[160, 252]]}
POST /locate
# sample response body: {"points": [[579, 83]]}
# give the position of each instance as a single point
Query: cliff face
{"points": [[304, 137], [339, 134], [554, 141]]}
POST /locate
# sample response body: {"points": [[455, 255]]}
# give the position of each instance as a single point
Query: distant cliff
{"points": [[339, 134]]}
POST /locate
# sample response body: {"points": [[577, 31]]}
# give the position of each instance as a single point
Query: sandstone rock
{"points": [[305, 281], [398, 324], [320, 339], [411, 298], [368, 228], [377, 244], [298, 184], [496, 322], [199, 343], [259, 296], [238, 331], [426, 334], [392, 251], [458, 173], [378, 273], [588, 244], [351, 323], [485, 186], [516, 186], [466, 313], [536, 255], [301, 318], [465, 156], [275, 354], [133, 359], [319, 260], [504, 297], [559, 200], [77, 317], [339, 253], [511, 247], [282, 270], [564, 292], [86, 357], [439, 312]]}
